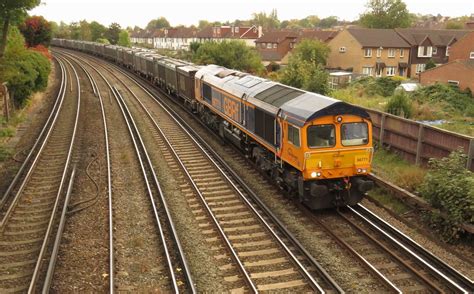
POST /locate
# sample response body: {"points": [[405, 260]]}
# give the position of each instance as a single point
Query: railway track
{"points": [[30, 214], [178, 276], [263, 257], [397, 269]]}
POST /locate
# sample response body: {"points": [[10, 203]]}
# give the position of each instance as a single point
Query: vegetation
{"points": [[267, 22], [386, 14], [430, 64], [113, 32], [305, 68], [124, 39], [13, 12], [37, 31], [158, 23], [401, 105], [449, 186], [230, 54], [454, 25], [25, 71]]}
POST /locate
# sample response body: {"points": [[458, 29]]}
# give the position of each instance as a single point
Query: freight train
{"points": [[317, 148]]}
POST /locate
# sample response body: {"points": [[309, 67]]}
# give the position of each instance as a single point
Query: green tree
{"points": [[103, 41], [267, 22], [454, 25], [85, 31], [113, 33], [386, 14], [12, 11], [75, 31], [430, 64], [63, 31], [124, 39], [231, 54], [328, 22], [203, 24], [97, 30], [310, 21], [158, 23], [36, 31], [305, 68]]}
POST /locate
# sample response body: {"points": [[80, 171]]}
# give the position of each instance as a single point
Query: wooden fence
{"points": [[418, 142]]}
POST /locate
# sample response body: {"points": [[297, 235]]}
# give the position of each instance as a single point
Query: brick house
{"points": [[428, 44], [275, 46], [248, 34], [460, 68], [372, 52]]}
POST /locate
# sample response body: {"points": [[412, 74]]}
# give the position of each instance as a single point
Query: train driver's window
{"points": [[321, 136], [294, 135], [353, 134]]}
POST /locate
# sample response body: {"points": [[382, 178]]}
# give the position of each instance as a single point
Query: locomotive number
{"points": [[361, 159], [231, 108]]}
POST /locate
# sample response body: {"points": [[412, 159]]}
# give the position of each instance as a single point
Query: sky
{"points": [[187, 12]]}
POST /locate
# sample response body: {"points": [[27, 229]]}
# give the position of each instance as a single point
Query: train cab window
{"points": [[207, 92], [353, 134], [321, 136], [294, 135]]}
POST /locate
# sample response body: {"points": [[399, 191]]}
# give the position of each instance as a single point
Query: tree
{"points": [[306, 67], [103, 41], [386, 14], [454, 25], [328, 22], [194, 46], [310, 21], [270, 21], [75, 31], [231, 54], [36, 31], [430, 64], [85, 31], [203, 24], [158, 23], [12, 11], [113, 33], [97, 30], [63, 31], [124, 39]]}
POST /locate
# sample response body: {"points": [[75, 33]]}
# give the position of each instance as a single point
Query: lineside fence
{"points": [[418, 142]]}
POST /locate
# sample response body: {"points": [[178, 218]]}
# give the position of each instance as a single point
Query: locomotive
{"points": [[317, 148]]}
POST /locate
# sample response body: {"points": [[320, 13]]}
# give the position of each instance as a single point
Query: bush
{"points": [[400, 105], [454, 98], [449, 186], [384, 86]]}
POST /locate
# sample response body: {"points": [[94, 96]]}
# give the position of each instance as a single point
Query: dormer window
{"points": [[425, 51]]}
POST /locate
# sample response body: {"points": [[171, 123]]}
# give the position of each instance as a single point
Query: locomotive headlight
{"points": [[314, 174], [364, 170], [339, 119], [359, 170], [318, 174]]}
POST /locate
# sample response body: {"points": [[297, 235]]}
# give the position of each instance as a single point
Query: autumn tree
{"points": [[124, 39], [269, 21], [305, 68], [12, 11], [113, 33], [36, 31], [231, 54], [386, 14], [158, 23], [328, 22]]}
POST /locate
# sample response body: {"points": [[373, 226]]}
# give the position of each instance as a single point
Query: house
{"points": [[372, 52], [174, 38], [428, 44], [460, 68], [275, 46], [248, 34]]}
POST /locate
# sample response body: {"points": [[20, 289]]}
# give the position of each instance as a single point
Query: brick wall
{"points": [[462, 48], [453, 71]]}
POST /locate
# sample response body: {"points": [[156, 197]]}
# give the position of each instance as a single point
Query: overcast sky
{"points": [[187, 12]]}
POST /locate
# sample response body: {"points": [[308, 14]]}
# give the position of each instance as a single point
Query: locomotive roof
{"points": [[295, 105]]}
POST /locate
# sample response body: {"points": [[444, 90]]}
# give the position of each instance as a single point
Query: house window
{"points": [[420, 67], [269, 45], [368, 52], [435, 50], [367, 70], [236, 29], [402, 52], [379, 52], [291, 45], [455, 83], [275, 45], [294, 135], [264, 45], [391, 52], [471, 55], [342, 49], [390, 71], [425, 51], [447, 50]]}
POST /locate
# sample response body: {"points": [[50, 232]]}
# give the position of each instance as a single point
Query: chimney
{"points": [[260, 31]]}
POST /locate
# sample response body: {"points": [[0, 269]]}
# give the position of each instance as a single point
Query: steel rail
{"points": [[169, 262], [428, 259], [109, 173], [57, 242], [38, 139], [44, 246], [302, 269]]}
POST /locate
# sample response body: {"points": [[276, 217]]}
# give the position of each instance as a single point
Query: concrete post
{"points": [[382, 126], [419, 145]]}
